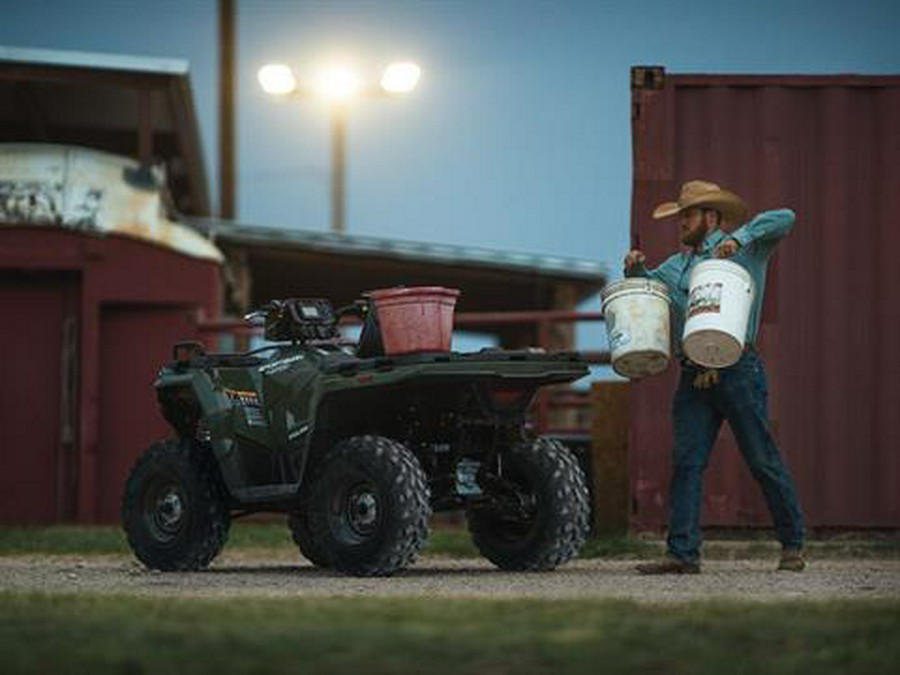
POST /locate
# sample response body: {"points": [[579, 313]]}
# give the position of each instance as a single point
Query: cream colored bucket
{"points": [[718, 309], [636, 312]]}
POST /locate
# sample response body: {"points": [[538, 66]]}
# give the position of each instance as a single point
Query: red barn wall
{"points": [[88, 322]]}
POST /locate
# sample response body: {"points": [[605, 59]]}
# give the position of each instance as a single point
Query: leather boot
{"points": [[668, 565]]}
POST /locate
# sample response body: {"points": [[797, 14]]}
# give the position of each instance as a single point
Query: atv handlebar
{"points": [[256, 317], [359, 309]]}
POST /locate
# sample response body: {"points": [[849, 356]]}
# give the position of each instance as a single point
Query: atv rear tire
{"points": [[299, 526], [537, 514], [173, 511], [368, 508]]}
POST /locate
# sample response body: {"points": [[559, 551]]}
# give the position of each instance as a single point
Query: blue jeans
{"points": [[741, 398]]}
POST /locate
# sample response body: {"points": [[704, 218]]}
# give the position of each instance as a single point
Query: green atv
{"points": [[357, 448]]}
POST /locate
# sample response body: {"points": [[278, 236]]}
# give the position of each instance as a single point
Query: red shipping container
{"points": [[827, 147]]}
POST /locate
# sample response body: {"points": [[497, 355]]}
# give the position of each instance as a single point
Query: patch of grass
{"points": [[274, 537], [452, 543], [852, 547], [110, 540], [62, 540], [621, 547], [119, 634], [246, 536]]}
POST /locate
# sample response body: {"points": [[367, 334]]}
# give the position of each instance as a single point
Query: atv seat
{"points": [[232, 360]]}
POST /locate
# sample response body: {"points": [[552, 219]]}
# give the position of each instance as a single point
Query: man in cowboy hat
{"points": [[738, 394]]}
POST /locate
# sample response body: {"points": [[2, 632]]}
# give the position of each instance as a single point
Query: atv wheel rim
{"points": [[165, 512], [361, 510]]}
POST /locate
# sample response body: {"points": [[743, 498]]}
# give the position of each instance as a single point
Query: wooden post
{"points": [[609, 457], [227, 110]]}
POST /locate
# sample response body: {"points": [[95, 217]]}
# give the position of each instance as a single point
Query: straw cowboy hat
{"points": [[699, 193]]}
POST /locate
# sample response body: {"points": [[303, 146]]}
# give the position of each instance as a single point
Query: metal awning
{"points": [[285, 262], [130, 106]]}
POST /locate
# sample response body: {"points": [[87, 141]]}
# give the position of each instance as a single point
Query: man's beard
{"points": [[693, 237]]}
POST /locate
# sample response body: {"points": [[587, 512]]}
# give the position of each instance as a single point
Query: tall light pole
{"points": [[338, 85], [338, 167]]}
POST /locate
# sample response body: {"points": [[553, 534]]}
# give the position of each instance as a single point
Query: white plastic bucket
{"points": [[636, 312], [718, 309]]}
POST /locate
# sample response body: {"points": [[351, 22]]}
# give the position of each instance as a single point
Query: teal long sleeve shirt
{"points": [[757, 238]]}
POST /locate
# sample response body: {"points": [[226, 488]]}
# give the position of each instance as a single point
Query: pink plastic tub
{"points": [[415, 319]]}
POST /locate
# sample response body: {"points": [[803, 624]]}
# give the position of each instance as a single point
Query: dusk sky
{"points": [[518, 136]]}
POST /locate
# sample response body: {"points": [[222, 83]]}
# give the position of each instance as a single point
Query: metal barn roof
{"points": [[131, 106], [286, 261]]}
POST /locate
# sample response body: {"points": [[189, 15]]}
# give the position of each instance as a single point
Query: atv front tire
{"points": [[173, 512], [369, 506], [297, 522], [536, 515]]}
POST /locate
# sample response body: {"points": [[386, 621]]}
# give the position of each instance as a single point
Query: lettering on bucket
{"points": [[617, 336], [617, 339], [705, 299]]}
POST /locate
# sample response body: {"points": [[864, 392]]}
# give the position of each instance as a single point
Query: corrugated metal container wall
{"points": [[829, 148]]}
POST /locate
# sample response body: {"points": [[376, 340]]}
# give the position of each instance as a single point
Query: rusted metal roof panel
{"points": [[94, 192], [829, 148]]}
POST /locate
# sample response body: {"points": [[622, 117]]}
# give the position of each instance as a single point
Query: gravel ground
{"points": [[236, 575]]}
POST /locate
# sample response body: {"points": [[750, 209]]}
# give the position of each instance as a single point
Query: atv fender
{"points": [[215, 410]]}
